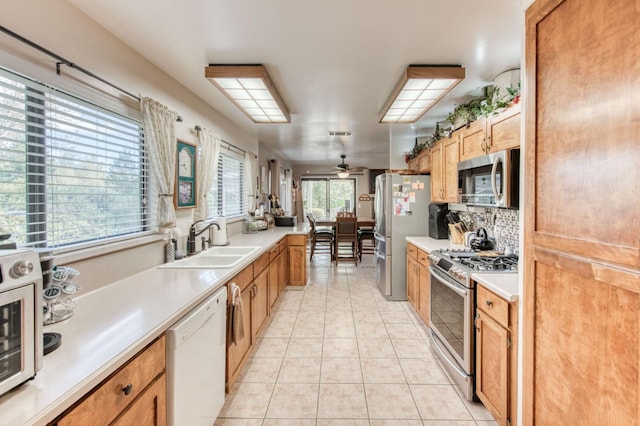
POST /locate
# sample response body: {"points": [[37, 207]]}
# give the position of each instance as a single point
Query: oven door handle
{"points": [[459, 289]]}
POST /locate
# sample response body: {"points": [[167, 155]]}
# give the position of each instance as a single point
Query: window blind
{"points": [[70, 171], [227, 197]]}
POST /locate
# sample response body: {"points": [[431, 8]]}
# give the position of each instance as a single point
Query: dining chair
{"points": [[346, 240], [321, 238], [366, 241]]}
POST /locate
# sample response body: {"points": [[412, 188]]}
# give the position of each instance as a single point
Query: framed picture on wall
{"points": [[185, 190], [372, 179]]}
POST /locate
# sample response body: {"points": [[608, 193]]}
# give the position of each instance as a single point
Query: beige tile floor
{"points": [[338, 353]]}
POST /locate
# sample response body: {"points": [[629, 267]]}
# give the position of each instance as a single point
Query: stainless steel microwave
{"points": [[491, 180]]}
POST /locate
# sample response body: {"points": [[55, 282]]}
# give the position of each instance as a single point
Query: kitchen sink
{"points": [[228, 250], [205, 262]]}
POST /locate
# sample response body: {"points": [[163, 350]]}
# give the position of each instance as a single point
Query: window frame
{"points": [[38, 219]]}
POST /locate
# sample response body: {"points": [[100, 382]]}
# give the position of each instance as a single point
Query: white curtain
{"points": [[206, 171], [250, 181], [160, 139]]}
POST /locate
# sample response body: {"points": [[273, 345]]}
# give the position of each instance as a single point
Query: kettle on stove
{"points": [[481, 242]]}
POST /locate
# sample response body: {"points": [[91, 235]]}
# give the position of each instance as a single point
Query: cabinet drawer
{"points": [[423, 258], [495, 306], [108, 399], [283, 244], [260, 264], [297, 240], [412, 251], [273, 252], [242, 280]]}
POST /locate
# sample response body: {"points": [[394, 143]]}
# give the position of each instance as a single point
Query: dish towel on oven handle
{"points": [[235, 332]]}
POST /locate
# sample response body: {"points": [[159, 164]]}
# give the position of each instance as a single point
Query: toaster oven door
{"points": [[17, 337]]}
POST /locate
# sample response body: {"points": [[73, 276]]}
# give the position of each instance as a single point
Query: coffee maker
{"points": [[438, 228]]}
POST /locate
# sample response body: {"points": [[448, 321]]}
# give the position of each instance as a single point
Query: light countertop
{"points": [[114, 323], [504, 285]]}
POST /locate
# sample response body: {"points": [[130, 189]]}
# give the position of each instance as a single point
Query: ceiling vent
{"points": [[343, 133]]}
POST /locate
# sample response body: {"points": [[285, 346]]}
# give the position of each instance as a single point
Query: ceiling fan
{"points": [[343, 170]]}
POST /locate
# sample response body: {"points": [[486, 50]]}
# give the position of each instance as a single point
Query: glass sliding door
{"points": [[324, 197]]}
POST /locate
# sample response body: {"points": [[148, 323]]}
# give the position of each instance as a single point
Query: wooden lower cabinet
{"points": [[133, 395], [237, 352], [149, 409], [496, 355], [283, 265], [297, 259], [259, 303], [418, 284], [275, 275], [424, 293], [412, 281], [261, 284]]}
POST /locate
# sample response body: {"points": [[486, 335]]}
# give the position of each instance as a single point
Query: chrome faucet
{"points": [[191, 241]]}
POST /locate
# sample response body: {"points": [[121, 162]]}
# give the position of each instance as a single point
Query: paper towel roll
{"points": [[219, 237]]}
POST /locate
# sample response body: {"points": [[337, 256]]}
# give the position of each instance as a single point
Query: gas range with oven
{"points": [[460, 264], [453, 304]]}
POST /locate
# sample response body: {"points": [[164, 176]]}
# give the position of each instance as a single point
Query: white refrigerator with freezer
{"points": [[401, 210]]}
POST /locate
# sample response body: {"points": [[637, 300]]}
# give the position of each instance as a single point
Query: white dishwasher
{"points": [[196, 364]]}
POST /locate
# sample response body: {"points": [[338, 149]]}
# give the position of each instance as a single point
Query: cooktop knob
{"points": [[21, 268]]}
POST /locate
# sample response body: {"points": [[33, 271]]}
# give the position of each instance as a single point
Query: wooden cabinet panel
{"points": [[437, 173], [581, 163], [150, 409], [492, 366], [259, 303], [274, 280], [503, 130], [261, 263], [297, 265], [494, 305], [423, 258], [582, 251], [424, 293], [473, 139], [108, 399], [450, 154], [283, 269], [412, 281], [236, 352], [424, 162], [444, 171], [412, 251], [297, 240]]}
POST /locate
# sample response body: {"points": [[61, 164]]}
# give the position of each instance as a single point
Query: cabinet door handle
{"points": [[489, 303], [256, 287], [127, 389]]}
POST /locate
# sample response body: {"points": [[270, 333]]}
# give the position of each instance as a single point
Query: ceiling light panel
{"points": [[251, 89], [419, 89]]}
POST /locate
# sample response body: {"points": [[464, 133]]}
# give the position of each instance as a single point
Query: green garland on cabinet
{"points": [[492, 103]]}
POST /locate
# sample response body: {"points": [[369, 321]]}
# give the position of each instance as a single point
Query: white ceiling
{"points": [[334, 62]]}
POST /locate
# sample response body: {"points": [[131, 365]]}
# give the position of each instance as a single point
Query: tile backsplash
{"points": [[501, 224]]}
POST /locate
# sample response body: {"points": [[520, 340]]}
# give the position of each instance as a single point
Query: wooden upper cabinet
{"points": [[450, 154], [424, 162], [437, 167], [587, 165], [473, 139], [582, 218], [503, 130], [444, 170]]}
